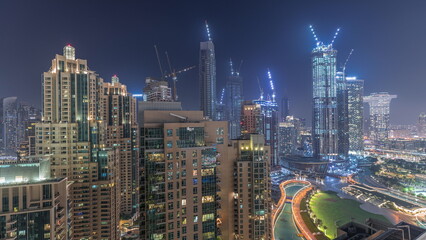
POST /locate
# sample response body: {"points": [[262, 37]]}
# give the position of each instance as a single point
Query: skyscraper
{"points": [[207, 76], [355, 114], [10, 125], [180, 151], [73, 134], [325, 114], [261, 117], [234, 99], [379, 115], [118, 111], [342, 113], [157, 90], [285, 108], [287, 138]]}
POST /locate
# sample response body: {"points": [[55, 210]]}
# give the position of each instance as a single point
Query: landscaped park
{"points": [[329, 211]]}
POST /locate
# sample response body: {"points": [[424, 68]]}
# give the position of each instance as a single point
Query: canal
{"points": [[285, 228]]}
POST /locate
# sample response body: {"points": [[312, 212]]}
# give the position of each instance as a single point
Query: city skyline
{"points": [[371, 61]]}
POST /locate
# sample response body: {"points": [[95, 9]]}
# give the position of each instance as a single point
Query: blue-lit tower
{"points": [[207, 76], [325, 119]]}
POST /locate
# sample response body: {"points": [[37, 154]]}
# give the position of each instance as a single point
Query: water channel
{"points": [[285, 228]]}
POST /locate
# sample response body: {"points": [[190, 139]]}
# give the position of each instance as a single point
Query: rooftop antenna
{"points": [[271, 82], [159, 63], [335, 35], [260, 88], [346, 62], [314, 34], [208, 31]]}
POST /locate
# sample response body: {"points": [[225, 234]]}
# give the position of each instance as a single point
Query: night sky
{"points": [[117, 37]]}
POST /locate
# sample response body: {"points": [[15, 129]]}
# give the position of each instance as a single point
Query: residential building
{"points": [[234, 100], [379, 115], [355, 114]]}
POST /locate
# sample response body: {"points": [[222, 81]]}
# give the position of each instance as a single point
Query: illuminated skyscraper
{"points": [[325, 116], [207, 76], [285, 108], [73, 134], [355, 114], [421, 125], [179, 178], [118, 111], [379, 115], [342, 113], [234, 99]]}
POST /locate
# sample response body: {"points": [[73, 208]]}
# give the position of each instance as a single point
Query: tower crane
{"points": [[260, 88], [173, 75], [271, 82]]}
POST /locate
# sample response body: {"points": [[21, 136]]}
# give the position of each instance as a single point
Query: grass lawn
{"points": [[308, 221], [328, 207]]}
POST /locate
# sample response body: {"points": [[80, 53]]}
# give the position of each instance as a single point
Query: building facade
{"points": [[179, 178], [355, 114], [379, 115], [118, 111], [234, 100], [33, 205], [73, 134], [325, 113], [10, 125], [207, 79]]}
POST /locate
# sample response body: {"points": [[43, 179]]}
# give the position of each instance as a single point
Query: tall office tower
{"points": [[157, 90], [207, 76], [73, 133], [355, 114], [10, 125], [252, 189], [379, 114], [118, 111], [325, 114], [287, 139], [285, 108], [234, 100], [343, 118], [421, 125], [261, 117], [34, 206], [180, 151], [28, 117]]}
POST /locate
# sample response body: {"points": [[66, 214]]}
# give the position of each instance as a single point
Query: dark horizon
{"points": [[118, 39]]}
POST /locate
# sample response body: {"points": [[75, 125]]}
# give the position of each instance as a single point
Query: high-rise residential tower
{"points": [[73, 133], [343, 118], [118, 111], [207, 77], [284, 108], [179, 177], [355, 114], [421, 125], [379, 115], [234, 99]]}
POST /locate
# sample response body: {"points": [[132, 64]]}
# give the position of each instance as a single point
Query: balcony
{"points": [[10, 222]]}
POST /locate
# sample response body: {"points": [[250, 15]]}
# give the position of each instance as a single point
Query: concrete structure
{"points": [[355, 114], [33, 205], [179, 178], [234, 100], [207, 78], [379, 115], [73, 133], [118, 111]]}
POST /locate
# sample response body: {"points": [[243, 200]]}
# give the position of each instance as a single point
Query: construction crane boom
{"points": [[347, 60], [260, 88]]}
